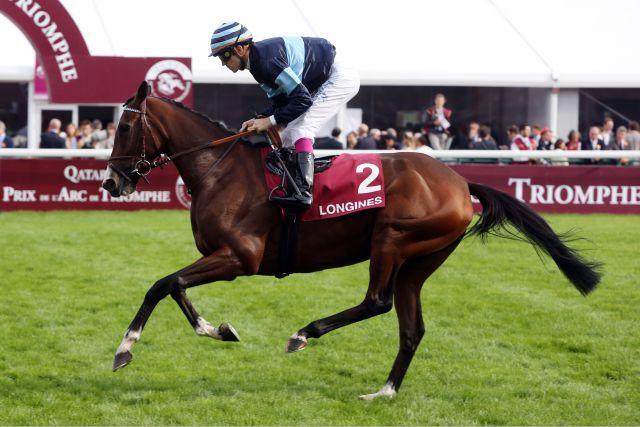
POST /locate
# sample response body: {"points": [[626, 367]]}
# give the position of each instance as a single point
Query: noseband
{"points": [[142, 166]]}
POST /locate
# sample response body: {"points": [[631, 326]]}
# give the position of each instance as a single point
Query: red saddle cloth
{"points": [[353, 183]]}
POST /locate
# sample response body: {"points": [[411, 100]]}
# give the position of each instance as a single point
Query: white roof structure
{"points": [[524, 43]]}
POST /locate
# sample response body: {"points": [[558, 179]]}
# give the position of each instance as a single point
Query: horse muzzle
{"points": [[116, 185]]}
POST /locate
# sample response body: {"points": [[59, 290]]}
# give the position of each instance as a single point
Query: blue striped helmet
{"points": [[228, 35]]}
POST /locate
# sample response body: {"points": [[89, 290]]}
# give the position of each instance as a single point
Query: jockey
{"points": [[304, 80]]}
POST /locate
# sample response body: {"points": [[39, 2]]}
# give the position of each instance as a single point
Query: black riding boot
{"points": [[303, 177]]}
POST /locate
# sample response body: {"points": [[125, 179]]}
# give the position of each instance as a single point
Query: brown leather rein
{"points": [[143, 167]]}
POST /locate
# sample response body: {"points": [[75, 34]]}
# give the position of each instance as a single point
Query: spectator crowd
{"points": [[89, 134], [434, 133]]}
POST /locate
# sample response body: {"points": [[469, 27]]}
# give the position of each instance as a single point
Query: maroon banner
{"points": [[62, 184], [575, 189], [74, 76], [59, 184]]}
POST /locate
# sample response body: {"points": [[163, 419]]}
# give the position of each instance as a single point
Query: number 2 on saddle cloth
{"points": [[343, 184]]}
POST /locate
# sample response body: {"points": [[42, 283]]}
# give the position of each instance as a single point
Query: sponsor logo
{"points": [[170, 78], [575, 194], [75, 175], [182, 194], [338, 208]]}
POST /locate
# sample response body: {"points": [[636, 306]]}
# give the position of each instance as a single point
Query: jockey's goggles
{"points": [[225, 55]]}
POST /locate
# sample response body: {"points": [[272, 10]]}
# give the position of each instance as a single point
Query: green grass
{"points": [[509, 341]]}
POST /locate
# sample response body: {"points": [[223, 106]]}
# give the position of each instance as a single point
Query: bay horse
{"points": [[237, 230]]}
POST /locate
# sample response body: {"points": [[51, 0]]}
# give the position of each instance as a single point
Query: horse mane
{"points": [[217, 123]]}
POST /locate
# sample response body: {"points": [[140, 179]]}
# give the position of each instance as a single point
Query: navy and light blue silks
{"points": [[290, 70]]}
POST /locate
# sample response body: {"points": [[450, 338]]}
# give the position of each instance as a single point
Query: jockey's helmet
{"points": [[228, 35]]}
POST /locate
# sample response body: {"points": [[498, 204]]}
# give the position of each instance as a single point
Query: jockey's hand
{"points": [[246, 124], [258, 125]]}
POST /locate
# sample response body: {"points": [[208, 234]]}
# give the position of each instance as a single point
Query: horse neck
{"points": [[195, 168]]}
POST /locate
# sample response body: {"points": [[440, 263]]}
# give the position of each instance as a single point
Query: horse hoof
{"points": [[295, 344], [387, 391], [227, 332], [121, 360]]}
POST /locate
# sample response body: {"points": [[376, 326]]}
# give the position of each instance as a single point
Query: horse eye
{"points": [[123, 128]]}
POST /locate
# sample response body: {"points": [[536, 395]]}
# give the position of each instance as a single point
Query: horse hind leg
{"points": [[411, 277], [224, 332]]}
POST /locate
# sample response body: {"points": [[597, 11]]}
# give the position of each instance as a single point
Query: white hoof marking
{"points": [[130, 338], [205, 329], [387, 391], [298, 337]]}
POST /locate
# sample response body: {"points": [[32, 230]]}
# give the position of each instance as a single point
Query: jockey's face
{"points": [[236, 60]]}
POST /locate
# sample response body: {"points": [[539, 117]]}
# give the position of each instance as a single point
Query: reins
{"points": [[143, 167]]}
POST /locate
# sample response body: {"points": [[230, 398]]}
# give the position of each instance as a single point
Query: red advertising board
{"points": [[576, 189], [62, 184]]}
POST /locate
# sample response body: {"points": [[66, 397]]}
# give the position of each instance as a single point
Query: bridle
{"points": [[142, 167]]}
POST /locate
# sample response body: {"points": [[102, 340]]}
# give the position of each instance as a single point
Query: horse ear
{"points": [[143, 91]]}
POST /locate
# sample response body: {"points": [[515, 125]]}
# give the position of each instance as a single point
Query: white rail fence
{"points": [[22, 153]]}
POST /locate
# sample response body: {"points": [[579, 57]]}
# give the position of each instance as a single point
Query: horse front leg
{"points": [[223, 264]]}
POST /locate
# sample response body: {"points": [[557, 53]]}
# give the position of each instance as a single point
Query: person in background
{"points": [[594, 139], [98, 134], [71, 136], [393, 133], [352, 141], [536, 134], [574, 142], [545, 142], [85, 135], [422, 144], [20, 138], [486, 142], [5, 140], [437, 123], [472, 135], [633, 136], [607, 134], [620, 143], [560, 145], [371, 142], [512, 134], [523, 142], [51, 138], [330, 143], [408, 140], [390, 142], [363, 131], [107, 143]]}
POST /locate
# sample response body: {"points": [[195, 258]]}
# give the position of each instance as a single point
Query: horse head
{"points": [[135, 145]]}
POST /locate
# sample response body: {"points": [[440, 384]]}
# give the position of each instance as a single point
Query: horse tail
{"points": [[500, 209]]}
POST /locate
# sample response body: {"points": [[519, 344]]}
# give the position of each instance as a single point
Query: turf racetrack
{"points": [[509, 340]]}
